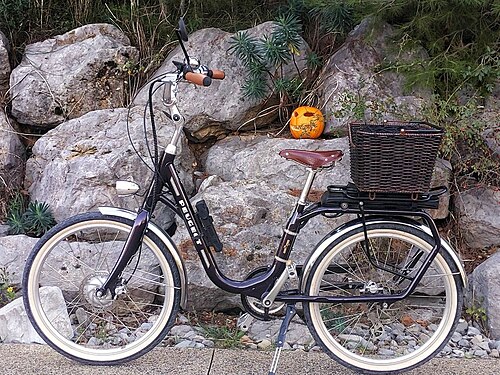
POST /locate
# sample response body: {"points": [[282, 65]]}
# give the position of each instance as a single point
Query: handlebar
{"points": [[216, 74], [198, 78], [199, 74]]}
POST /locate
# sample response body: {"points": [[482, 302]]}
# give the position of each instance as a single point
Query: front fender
{"points": [[356, 223], [164, 237]]}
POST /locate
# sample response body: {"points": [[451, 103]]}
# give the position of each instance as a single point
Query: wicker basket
{"points": [[393, 156]]}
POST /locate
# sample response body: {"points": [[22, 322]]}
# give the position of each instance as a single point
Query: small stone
{"points": [[246, 340], [446, 350], [264, 344], [462, 327], [480, 353], [495, 353], [469, 355], [153, 318], [386, 352], [189, 335], [93, 341], [81, 316], [182, 319], [208, 343], [464, 343], [197, 338], [473, 331], [458, 353], [456, 337], [432, 327], [146, 326], [180, 330], [286, 346], [485, 345], [476, 340], [185, 344]]}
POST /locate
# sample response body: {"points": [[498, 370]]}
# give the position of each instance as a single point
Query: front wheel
{"points": [[63, 273], [378, 337]]}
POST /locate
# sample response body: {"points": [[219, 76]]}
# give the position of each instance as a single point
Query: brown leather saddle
{"points": [[313, 159]]}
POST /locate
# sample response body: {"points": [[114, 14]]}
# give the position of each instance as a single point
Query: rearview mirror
{"points": [[182, 32]]}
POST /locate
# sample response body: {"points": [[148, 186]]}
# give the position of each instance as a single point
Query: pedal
{"points": [[207, 224]]}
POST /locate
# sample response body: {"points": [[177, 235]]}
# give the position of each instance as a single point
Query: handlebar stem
{"points": [[172, 79]]}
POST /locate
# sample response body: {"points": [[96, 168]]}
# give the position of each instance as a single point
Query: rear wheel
{"points": [[63, 273], [378, 337]]}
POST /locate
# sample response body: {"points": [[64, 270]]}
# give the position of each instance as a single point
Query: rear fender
{"points": [[354, 224]]}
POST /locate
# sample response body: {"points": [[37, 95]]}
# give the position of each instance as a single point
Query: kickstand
{"points": [[290, 313]]}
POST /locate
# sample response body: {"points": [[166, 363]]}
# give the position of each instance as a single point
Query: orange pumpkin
{"points": [[307, 122]]}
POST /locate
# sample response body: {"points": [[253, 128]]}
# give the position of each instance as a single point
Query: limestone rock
{"points": [[71, 74], [353, 90], [256, 158], [249, 217], [15, 326], [479, 216], [14, 251], [211, 111], [74, 166], [483, 292]]}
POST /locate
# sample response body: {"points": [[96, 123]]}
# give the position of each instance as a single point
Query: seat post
{"points": [[307, 186]]}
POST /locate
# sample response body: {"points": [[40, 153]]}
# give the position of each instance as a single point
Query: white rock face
{"points": [[15, 326], [351, 89], [74, 166], [221, 107], [71, 74]]}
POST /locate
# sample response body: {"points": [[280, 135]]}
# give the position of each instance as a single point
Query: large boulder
{"points": [[478, 215], [74, 166], [221, 107], [15, 326], [14, 251], [4, 65], [72, 74], [483, 292], [352, 89], [12, 155], [256, 158], [249, 217]]}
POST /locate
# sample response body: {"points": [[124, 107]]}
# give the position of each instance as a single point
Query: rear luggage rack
{"points": [[349, 197]]}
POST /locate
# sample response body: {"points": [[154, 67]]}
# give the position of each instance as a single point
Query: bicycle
{"points": [[382, 293]]}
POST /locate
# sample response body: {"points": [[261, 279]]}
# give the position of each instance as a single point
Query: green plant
{"points": [[38, 218], [265, 59], [15, 209], [477, 314], [463, 142], [224, 337], [7, 292], [35, 219]]}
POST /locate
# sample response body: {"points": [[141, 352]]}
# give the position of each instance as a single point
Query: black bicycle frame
{"points": [[261, 284]]}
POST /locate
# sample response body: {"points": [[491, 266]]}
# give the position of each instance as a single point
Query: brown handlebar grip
{"points": [[217, 74], [198, 78]]}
